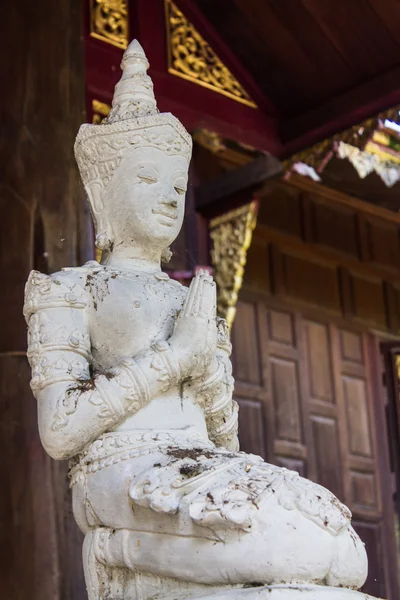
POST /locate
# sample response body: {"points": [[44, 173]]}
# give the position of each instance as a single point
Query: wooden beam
{"points": [[373, 210], [341, 112], [255, 173]]}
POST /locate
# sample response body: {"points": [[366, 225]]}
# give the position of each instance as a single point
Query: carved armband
{"points": [[137, 377], [215, 395], [166, 365], [108, 400], [132, 379], [58, 342], [219, 408]]}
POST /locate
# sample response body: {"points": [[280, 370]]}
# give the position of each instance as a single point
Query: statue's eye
{"points": [[147, 176], [180, 186], [180, 190]]}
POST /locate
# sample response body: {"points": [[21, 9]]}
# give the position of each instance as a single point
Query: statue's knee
{"points": [[350, 564]]}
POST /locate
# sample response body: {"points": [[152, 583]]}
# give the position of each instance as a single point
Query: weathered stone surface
{"points": [[133, 380]]}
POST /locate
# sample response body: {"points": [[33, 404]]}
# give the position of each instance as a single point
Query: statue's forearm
{"points": [[221, 412], [73, 414]]}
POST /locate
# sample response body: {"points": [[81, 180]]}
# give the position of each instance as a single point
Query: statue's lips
{"points": [[171, 216]]}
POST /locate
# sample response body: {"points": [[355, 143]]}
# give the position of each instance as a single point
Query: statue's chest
{"points": [[128, 314]]}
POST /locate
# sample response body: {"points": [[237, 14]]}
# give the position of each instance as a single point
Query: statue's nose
{"points": [[169, 202]]}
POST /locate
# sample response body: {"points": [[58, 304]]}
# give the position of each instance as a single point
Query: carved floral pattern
{"points": [[357, 145], [47, 370], [99, 151], [225, 490], [109, 21], [42, 291], [192, 58], [231, 235], [100, 111]]}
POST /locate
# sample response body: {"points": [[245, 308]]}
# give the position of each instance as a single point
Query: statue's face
{"points": [[145, 201]]}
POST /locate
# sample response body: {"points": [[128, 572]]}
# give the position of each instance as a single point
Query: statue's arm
{"points": [[75, 404], [215, 394]]}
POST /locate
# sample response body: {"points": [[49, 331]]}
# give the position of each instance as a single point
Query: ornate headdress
{"points": [[134, 121]]}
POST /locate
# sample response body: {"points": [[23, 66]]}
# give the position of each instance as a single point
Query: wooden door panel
{"points": [[294, 464], [326, 448], [251, 427], [319, 360], [281, 327], [363, 491], [246, 357], [351, 347], [304, 388], [371, 535], [285, 394], [355, 398]]}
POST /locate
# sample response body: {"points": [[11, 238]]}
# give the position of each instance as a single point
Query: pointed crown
{"points": [[134, 121]]}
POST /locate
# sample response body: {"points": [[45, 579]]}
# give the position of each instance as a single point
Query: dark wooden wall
{"points": [[322, 248], [44, 224], [320, 278]]}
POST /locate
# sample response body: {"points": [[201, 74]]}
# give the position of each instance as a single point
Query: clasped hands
{"points": [[194, 339]]}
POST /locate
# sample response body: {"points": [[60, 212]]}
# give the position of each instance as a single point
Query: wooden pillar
{"points": [[44, 224]]}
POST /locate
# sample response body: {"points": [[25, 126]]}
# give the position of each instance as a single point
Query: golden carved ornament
{"points": [[231, 236], [109, 21], [398, 366], [190, 57], [210, 140], [359, 136], [100, 111]]}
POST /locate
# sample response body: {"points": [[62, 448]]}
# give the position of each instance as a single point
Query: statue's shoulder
{"points": [[182, 289], [65, 288]]}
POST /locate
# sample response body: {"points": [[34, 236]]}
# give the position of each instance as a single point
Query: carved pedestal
{"points": [[288, 592], [106, 581]]}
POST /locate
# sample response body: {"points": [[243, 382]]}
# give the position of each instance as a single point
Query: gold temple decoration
{"points": [[190, 57], [369, 146], [231, 236], [210, 140], [398, 366], [100, 111], [98, 254], [385, 144], [230, 154], [109, 21]]}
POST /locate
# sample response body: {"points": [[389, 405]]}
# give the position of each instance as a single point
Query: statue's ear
{"points": [[93, 191], [102, 226], [166, 255]]}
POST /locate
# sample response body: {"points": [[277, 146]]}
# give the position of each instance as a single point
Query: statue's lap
{"points": [[245, 517]]}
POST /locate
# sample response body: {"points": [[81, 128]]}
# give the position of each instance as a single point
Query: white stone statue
{"points": [[133, 381]]}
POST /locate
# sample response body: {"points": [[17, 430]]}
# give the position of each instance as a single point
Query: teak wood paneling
{"points": [[321, 248], [327, 221], [44, 224], [306, 404], [321, 276]]}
